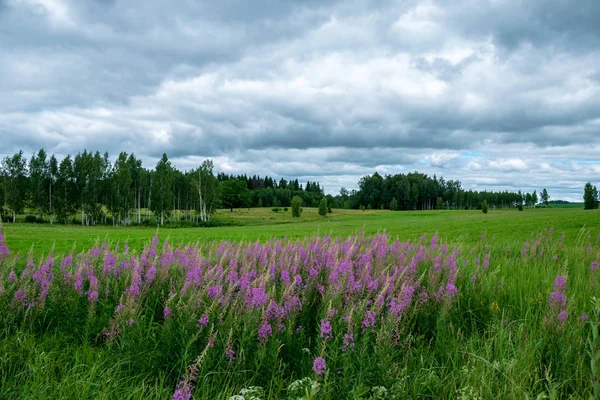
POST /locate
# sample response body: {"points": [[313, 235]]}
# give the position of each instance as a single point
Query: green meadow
{"points": [[505, 226], [426, 305]]}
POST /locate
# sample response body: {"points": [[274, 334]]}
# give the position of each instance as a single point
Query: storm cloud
{"points": [[500, 94]]}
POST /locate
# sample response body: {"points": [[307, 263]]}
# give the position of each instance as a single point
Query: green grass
{"points": [[497, 339], [263, 224]]}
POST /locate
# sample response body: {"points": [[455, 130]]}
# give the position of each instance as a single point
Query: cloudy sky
{"points": [[500, 94]]}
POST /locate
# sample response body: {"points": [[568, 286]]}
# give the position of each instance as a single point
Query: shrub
{"points": [[323, 207], [484, 207], [275, 209], [296, 206]]}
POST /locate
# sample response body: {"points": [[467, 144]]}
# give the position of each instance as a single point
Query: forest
{"points": [[90, 189]]}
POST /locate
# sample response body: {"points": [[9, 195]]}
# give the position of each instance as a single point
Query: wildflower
{"points": [[264, 332], [93, 296], [167, 312], [183, 391], [230, 353], [130, 322], [560, 283], [473, 278], [494, 306], [563, 316], [451, 290], [319, 366], [326, 329], [594, 266], [348, 341], [203, 320], [369, 320], [557, 299], [584, 317], [12, 276]]}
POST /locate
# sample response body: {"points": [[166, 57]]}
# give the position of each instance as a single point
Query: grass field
{"points": [[431, 309], [263, 224]]}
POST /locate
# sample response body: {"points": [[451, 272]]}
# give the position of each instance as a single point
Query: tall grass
{"points": [[363, 317]]}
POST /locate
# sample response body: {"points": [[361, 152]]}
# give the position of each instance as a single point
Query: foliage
{"points": [[590, 197], [323, 207], [484, 207], [296, 206]]}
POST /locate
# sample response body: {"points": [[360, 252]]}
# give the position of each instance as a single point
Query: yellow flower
{"points": [[494, 306]]}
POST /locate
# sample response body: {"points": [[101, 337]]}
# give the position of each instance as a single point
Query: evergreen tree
{"points": [[296, 206], [394, 204], [323, 207], [590, 197]]}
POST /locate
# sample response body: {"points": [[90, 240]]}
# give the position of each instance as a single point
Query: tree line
{"points": [[417, 191], [89, 189]]}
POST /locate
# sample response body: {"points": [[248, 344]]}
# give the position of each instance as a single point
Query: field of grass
{"points": [[263, 224], [328, 313]]}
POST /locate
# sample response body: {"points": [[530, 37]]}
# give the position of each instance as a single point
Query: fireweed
{"points": [[337, 298]]}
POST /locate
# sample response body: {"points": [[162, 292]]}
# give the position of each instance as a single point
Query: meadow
{"points": [[262, 224], [360, 305]]}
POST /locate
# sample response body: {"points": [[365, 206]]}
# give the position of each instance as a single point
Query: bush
{"points": [[361, 208], [296, 206], [285, 209], [32, 219], [520, 207], [323, 207], [275, 209], [394, 204], [484, 207]]}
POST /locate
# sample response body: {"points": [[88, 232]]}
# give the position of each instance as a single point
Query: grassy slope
{"points": [[262, 224]]}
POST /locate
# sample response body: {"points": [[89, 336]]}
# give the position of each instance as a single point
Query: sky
{"points": [[499, 94]]}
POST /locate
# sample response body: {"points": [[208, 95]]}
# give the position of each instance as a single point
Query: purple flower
{"points": [[183, 391], [215, 291], [326, 329], [167, 312], [230, 353], [563, 316], [473, 278], [557, 299], [93, 296], [451, 290], [203, 321], [12, 276], [584, 317], [369, 320], [560, 284], [594, 266], [319, 366], [264, 332], [348, 341]]}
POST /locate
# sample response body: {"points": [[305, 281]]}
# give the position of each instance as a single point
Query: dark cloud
{"points": [[497, 93]]}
